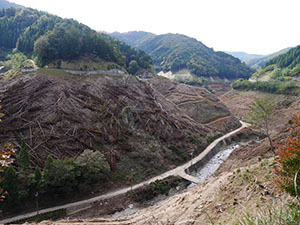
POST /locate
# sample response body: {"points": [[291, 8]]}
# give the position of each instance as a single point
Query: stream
{"points": [[202, 173], [214, 163]]}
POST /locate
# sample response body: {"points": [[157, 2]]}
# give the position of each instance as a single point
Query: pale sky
{"points": [[252, 26]]}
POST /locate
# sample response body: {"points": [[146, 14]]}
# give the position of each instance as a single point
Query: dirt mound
{"points": [[129, 120]]}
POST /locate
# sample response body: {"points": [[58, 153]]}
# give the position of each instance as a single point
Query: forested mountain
{"points": [[243, 56], [173, 52], [279, 75], [51, 39], [284, 66], [259, 62], [6, 4]]}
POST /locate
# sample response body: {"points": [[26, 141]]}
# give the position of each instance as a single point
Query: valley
{"points": [[108, 128]]}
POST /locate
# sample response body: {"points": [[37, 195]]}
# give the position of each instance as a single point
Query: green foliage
{"points": [[23, 158], [158, 187], [289, 160], [283, 67], [276, 87], [143, 60], [13, 23], [61, 175], [173, 52], [16, 61], [289, 59], [10, 183], [37, 174], [195, 81], [68, 40], [93, 166], [51, 39], [260, 114], [133, 67], [280, 214]]}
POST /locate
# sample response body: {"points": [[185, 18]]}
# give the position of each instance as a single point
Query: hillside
{"points": [[243, 190], [50, 39], [175, 52], [279, 75], [243, 56], [283, 67], [6, 4], [259, 62], [128, 121]]}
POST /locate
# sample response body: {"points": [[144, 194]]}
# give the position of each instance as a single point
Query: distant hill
{"points": [[282, 67], [51, 40], [243, 56], [259, 62], [6, 4], [279, 75], [175, 52]]}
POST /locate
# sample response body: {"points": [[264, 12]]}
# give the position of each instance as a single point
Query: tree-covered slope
{"points": [[279, 75], [173, 52], [50, 39], [243, 56], [259, 62], [6, 4], [283, 67]]}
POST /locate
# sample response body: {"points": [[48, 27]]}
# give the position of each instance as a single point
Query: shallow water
{"points": [[214, 163]]}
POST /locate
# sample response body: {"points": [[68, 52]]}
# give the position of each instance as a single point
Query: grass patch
{"points": [[54, 72], [284, 214]]}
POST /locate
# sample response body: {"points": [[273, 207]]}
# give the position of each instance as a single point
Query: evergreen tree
{"points": [[47, 168], [37, 175], [23, 158], [10, 183]]}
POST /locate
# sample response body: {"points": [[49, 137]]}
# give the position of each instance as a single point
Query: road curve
{"points": [[178, 171]]}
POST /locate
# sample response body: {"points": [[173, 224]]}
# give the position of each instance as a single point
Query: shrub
{"points": [[93, 166], [289, 160]]}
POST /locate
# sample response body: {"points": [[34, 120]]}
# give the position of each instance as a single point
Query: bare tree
{"points": [[261, 111]]}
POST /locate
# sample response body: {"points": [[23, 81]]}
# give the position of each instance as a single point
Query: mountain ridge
{"points": [[7, 4], [173, 52], [50, 39]]}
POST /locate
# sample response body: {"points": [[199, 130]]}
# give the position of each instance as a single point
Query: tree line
{"points": [[48, 38]]}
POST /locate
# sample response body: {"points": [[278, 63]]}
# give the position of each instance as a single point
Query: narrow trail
{"points": [[178, 171]]}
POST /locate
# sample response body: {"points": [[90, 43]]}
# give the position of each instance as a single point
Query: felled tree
{"points": [[289, 160], [260, 114]]}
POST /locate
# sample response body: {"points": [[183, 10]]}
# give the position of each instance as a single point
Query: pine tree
{"points": [[23, 158], [37, 174], [10, 183], [47, 168]]}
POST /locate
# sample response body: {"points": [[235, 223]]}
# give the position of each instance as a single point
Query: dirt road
{"points": [[178, 171]]}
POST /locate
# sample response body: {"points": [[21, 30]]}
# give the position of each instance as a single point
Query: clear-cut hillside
{"points": [[134, 123]]}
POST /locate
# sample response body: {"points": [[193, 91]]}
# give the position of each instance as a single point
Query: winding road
{"points": [[178, 171]]}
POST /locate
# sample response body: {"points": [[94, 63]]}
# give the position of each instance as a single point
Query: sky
{"points": [[252, 26]]}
